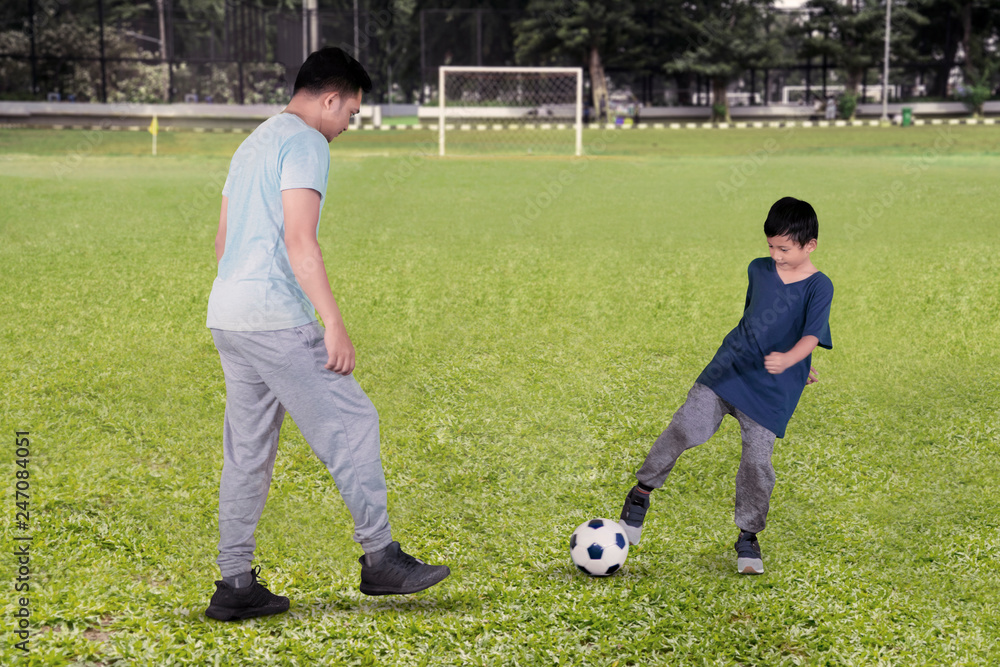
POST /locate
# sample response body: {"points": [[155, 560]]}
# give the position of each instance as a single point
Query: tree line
{"points": [[717, 41]]}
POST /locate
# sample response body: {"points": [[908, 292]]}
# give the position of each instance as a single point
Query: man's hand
{"points": [[813, 376], [339, 350], [777, 363]]}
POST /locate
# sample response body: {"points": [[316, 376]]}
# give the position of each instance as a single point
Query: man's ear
{"points": [[330, 100]]}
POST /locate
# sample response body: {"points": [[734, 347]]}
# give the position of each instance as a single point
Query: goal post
{"points": [[510, 110]]}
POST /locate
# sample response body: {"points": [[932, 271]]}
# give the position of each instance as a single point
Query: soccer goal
{"points": [[510, 110]]}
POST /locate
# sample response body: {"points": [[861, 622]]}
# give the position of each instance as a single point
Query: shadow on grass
{"points": [[458, 603]]}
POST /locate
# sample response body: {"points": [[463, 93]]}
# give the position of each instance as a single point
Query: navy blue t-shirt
{"points": [[775, 318]]}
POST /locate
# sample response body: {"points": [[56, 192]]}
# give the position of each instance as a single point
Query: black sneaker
{"points": [[748, 556], [399, 573], [234, 604], [633, 514]]}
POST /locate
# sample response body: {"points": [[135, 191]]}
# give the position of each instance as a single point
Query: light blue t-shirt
{"points": [[255, 289]]}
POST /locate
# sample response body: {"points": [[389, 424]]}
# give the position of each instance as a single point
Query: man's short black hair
{"points": [[332, 70], [793, 218]]}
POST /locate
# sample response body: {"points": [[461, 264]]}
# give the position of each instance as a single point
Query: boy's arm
{"points": [[778, 362], [220, 236], [301, 210]]}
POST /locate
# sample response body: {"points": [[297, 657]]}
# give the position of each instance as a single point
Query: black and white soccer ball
{"points": [[598, 547]]}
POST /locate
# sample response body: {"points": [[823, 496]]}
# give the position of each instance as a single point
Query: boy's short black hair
{"points": [[793, 218], [332, 70]]}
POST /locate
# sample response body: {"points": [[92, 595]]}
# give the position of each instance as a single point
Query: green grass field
{"points": [[526, 328]]}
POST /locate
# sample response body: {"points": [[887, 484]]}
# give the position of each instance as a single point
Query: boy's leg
{"points": [[249, 444], [755, 477], [754, 484], [693, 424]]}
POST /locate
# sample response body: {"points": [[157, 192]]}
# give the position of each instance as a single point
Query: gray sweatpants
{"points": [[268, 372], [693, 424]]}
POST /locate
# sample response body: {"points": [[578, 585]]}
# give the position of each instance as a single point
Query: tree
{"points": [[959, 32], [852, 35], [980, 27], [591, 34], [724, 38], [661, 41]]}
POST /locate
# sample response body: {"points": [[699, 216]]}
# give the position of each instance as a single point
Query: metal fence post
{"points": [[104, 60]]}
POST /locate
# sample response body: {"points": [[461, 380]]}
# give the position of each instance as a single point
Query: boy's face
{"points": [[337, 110], [787, 254]]}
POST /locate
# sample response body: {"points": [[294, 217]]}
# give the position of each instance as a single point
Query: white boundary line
{"points": [[692, 126], [434, 127]]}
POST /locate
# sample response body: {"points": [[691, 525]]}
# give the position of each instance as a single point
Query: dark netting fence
{"points": [[248, 51], [235, 51]]}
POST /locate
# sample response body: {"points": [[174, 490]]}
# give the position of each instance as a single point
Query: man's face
{"points": [[337, 111]]}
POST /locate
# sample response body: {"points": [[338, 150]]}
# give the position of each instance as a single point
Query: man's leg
{"points": [[336, 418], [249, 445], [341, 425], [252, 424]]}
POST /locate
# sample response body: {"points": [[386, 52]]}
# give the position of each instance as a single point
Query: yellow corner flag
{"points": [[154, 129]]}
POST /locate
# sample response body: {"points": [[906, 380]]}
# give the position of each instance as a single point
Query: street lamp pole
{"points": [[357, 49], [885, 64]]}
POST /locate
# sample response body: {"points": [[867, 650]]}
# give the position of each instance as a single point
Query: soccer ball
{"points": [[598, 547]]}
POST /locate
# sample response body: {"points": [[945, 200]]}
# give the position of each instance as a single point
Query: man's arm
{"points": [[301, 210], [220, 236], [778, 362]]}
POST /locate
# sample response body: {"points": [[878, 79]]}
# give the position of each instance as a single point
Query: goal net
{"points": [[510, 110]]}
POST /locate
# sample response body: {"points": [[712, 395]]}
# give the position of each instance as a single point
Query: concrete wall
{"points": [[221, 117]]}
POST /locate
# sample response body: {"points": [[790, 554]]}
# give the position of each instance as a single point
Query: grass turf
{"points": [[526, 328]]}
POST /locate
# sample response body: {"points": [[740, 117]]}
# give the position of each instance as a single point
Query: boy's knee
{"points": [[761, 471]]}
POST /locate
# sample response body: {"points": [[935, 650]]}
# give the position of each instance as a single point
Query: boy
{"points": [[757, 376], [276, 357]]}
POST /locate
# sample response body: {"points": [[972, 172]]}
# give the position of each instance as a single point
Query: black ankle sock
{"points": [[375, 557], [643, 487], [240, 580]]}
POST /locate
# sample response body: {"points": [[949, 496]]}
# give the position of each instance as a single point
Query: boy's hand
{"points": [[339, 351], [777, 363], [813, 376]]}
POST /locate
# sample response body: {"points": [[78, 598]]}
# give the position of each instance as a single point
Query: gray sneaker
{"points": [[398, 573], [748, 556], [633, 514]]}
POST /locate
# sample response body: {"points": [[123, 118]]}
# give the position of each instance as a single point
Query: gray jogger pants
{"points": [[268, 372], [693, 424]]}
